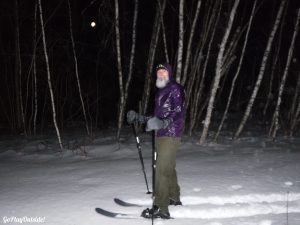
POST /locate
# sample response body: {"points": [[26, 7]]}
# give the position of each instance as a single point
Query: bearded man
{"points": [[168, 121]]}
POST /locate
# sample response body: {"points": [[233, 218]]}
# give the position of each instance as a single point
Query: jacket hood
{"points": [[167, 67]]}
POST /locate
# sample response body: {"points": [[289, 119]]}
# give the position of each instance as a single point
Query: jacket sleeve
{"points": [[177, 107]]}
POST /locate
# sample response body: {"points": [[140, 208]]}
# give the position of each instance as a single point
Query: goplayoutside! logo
{"points": [[24, 219]]}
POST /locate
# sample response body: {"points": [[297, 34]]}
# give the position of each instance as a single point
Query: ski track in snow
{"points": [[232, 206], [233, 211], [242, 183]]}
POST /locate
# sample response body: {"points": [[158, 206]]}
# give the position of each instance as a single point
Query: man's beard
{"points": [[162, 82]]}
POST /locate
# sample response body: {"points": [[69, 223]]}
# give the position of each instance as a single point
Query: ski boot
{"points": [[175, 202], [156, 212]]}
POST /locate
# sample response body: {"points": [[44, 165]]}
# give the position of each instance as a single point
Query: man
{"points": [[168, 121]]}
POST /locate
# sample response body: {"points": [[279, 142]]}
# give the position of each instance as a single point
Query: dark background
{"points": [[96, 52]]}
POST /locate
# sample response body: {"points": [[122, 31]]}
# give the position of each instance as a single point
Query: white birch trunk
{"points": [[219, 68], [199, 57], [18, 122], [273, 131], [132, 53], [180, 41], [295, 120], [163, 32], [19, 68], [270, 95], [261, 71], [76, 69], [231, 47], [294, 102], [151, 56], [129, 78], [188, 52], [120, 73], [34, 73], [49, 76], [200, 84], [273, 67], [237, 72]]}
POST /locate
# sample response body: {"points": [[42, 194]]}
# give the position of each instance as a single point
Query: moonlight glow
{"points": [[93, 24]]}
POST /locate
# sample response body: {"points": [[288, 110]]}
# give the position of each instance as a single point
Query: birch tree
{"points": [[193, 81], [49, 76], [120, 73], [189, 45], [163, 31], [198, 90], [296, 118], [180, 40], [124, 92], [294, 102], [76, 69], [151, 56], [274, 125], [34, 72], [273, 67], [18, 74], [261, 70], [18, 122], [219, 68], [237, 72]]}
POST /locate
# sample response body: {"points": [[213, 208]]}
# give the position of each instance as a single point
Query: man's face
{"points": [[162, 78]]}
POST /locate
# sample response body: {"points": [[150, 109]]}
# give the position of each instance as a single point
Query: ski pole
{"points": [[141, 156], [154, 155]]}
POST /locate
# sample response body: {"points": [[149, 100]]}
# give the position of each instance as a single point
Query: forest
{"points": [[86, 63]]}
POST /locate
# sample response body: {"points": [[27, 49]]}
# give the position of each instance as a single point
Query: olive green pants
{"points": [[166, 185]]}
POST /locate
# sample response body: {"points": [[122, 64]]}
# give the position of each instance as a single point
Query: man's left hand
{"points": [[155, 124]]}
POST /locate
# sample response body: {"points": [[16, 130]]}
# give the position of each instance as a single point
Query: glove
{"points": [[155, 123], [133, 117]]}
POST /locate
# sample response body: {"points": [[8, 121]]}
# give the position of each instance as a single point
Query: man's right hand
{"points": [[133, 117]]}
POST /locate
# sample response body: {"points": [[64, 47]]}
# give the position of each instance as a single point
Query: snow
{"points": [[253, 181]]}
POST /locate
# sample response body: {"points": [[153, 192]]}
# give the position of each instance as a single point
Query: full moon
{"points": [[93, 24]]}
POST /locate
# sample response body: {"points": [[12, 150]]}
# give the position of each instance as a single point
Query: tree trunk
{"points": [[152, 51], [188, 51], [180, 41], [273, 67], [237, 72], [49, 76], [294, 102], [129, 77], [76, 70], [120, 73], [34, 72], [163, 32], [18, 75], [296, 119], [274, 125], [193, 83], [194, 110], [261, 71], [219, 68]]}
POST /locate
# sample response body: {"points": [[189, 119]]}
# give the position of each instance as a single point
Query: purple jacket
{"points": [[170, 104]]}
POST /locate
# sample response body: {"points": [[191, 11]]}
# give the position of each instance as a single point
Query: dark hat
{"points": [[165, 66]]}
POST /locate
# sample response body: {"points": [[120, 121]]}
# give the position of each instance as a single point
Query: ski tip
{"points": [[101, 211], [126, 204], [106, 213], [98, 210]]}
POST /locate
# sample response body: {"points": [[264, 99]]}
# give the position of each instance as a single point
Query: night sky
{"points": [[97, 57]]}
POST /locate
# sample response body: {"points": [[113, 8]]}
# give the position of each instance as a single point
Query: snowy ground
{"points": [[243, 183]]}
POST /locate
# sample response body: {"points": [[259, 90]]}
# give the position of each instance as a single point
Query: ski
{"points": [[126, 204], [117, 215], [130, 204]]}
